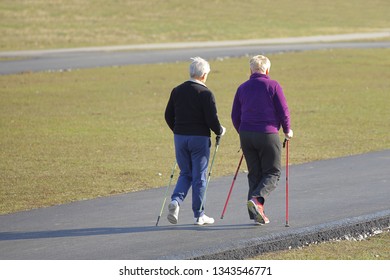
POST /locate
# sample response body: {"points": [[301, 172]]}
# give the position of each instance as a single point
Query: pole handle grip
{"points": [[217, 139], [285, 142]]}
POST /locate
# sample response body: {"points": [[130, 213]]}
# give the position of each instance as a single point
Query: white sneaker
{"points": [[173, 215], [203, 220]]}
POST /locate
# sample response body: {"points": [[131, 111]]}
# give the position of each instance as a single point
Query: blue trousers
{"points": [[192, 156]]}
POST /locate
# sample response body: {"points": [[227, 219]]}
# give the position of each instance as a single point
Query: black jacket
{"points": [[191, 110]]}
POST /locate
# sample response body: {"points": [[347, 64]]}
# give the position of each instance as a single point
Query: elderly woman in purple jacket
{"points": [[259, 111]]}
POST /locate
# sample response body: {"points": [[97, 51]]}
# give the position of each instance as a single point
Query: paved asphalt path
{"points": [[328, 199], [65, 59]]}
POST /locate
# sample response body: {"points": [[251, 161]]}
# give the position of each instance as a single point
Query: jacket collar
{"points": [[196, 81], [258, 75]]}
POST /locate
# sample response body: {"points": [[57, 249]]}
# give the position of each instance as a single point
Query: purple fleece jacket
{"points": [[260, 105]]}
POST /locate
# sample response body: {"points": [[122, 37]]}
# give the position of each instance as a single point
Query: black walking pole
{"points": [[218, 138], [166, 192]]}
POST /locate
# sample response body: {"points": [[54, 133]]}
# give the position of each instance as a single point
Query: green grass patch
{"points": [[73, 23], [67, 136]]}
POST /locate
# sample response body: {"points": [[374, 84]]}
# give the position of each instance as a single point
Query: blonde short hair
{"points": [[260, 63], [198, 67]]}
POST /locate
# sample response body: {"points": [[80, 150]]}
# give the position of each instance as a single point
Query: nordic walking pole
{"points": [[166, 192], [285, 145], [231, 187], [218, 138]]}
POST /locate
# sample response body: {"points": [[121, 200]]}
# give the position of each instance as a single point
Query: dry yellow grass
{"points": [[74, 23]]}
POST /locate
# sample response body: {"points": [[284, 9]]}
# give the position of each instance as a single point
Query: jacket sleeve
{"points": [[236, 112], [282, 108], [170, 112], [211, 116]]}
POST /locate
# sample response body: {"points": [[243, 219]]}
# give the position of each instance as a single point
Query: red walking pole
{"points": [[231, 187], [285, 144]]}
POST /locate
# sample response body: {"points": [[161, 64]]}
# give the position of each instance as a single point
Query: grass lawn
{"points": [[75, 23]]}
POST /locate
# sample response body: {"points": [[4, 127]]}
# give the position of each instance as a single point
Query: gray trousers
{"points": [[262, 153]]}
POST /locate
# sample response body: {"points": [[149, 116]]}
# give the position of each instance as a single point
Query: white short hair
{"points": [[198, 67], [260, 63]]}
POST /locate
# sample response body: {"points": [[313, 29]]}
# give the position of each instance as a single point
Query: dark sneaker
{"points": [[258, 210]]}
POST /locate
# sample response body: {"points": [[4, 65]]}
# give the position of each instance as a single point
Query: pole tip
{"points": [[158, 219]]}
